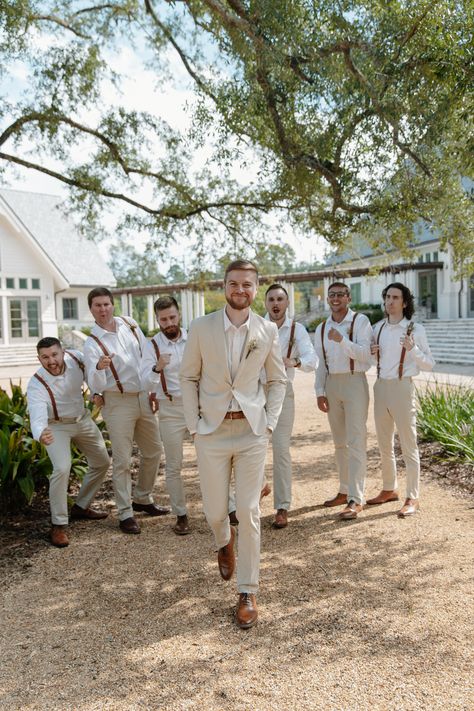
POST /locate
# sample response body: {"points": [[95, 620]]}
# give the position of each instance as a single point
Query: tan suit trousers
{"points": [[281, 439], [173, 431], [234, 445], [86, 435], [128, 417], [348, 398], [394, 405]]}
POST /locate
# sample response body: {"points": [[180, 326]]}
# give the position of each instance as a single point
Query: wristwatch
{"points": [[155, 369]]}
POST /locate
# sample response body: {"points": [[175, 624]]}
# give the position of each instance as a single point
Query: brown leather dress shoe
{"points": [[383, 498], [233, 520], [409, 508], [351, 511], [181, 527], [226, 558], [151, 509], [58, 535], [77, 512], [338, 500], [129, 525], [281, 519], [267, 489], [246, 614]]}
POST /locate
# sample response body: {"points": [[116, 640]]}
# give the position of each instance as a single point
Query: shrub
{"points": [[446, 415]]}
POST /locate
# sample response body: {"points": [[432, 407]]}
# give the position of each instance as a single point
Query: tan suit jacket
{"points": [[206, 383]]}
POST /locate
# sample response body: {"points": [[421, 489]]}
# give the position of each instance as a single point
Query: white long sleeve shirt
{"points": [[302, 348], [235, 341], [127, 358], [338, 355], [67, 391], [151, 381], [419, 358]]}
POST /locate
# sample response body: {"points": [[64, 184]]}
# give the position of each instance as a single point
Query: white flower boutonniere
{"points": [[251, 346]]}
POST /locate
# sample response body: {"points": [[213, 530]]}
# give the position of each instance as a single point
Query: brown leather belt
{"points": [[239, 415]]}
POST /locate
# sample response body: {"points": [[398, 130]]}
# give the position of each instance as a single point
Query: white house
{"points": [[46, 270]]}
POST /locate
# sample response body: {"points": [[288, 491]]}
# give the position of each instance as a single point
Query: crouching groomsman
{"points": [[160, 374], [342, 344], [401, 350], [113, 354], [58, 416], [297, 352]]}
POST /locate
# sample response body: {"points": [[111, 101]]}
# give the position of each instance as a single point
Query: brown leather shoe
{"points": [[338, 500], [267, 489], [130, 525], [77, 512], [226, 558], [58, 535], [181, 527], [351, 511], [151, 509], [281, 519], [383, 498], [409, 508], [233, 520], [246, 614]]}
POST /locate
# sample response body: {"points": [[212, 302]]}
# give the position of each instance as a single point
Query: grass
{"points": [[446, 415]]}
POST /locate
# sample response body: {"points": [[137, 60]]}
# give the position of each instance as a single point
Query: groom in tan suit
{"points": [[231, 420]]}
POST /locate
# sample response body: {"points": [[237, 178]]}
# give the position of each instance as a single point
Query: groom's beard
{"points": [[171, 332], [243, 303]]}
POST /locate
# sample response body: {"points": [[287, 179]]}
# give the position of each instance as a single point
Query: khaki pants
{"points": [[234, 446], [394, 405], [281, 439], [173, 431], [348, 398], [128, 417], [86, 435]]}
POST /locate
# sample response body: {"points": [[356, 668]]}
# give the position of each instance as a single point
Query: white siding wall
{"points": [[84, 316]]}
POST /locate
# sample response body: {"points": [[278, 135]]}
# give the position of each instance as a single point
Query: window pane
{"points": [[10, 283], [32, 309], [23, 283], [70, 310], [435, 256], [15, 318], [356, 291], [428, 257], [35, 284]]}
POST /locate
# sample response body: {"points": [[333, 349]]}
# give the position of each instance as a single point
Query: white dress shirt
{"points": [[302, 348], [339, 354], [127, 357], [150, 380], [235, 338], [419, 358], [67, 391]]}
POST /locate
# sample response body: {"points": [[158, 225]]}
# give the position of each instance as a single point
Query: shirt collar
{"points": [[229, 325], [286, 323], [348, 317]]}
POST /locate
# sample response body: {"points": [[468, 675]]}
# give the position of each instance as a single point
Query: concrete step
{"points": [[451, 341], [17, 355]]}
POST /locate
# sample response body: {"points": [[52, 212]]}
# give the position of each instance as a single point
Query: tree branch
{"points": [[58, 21]]}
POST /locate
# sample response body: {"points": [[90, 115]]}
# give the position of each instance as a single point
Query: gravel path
{"points": [[377, 613]]}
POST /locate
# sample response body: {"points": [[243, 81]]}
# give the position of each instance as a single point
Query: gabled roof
{"points": [[76, 257]]}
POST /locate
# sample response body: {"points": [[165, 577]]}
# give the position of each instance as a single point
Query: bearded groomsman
{"points": [[231, 419], [113, 354], [58, 417], [342, 344], [160, 374], [401, 350]]}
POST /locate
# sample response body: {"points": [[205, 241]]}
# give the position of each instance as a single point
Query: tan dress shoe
{"points": [[78, 513], [58, 535], [281, 519], [351, 511], [246, 614], [181, 527], [383, 498], [130, 525], [338, 500], [226, 558], [409, 508]]}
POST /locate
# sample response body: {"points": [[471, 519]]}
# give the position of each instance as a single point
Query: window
{"points": [[427, 257], [435, 256], [10, 283], [35, 284], [356, 293], [70, 310], [23, 283], [420, 258]]}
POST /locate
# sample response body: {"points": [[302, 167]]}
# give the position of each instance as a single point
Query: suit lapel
{"points": [[219, 343]]}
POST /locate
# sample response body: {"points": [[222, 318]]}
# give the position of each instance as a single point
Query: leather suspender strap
{"points": [[410, 328], [50, 393], [112, 366], [323, 328], [291, 342], [133, 329], [378, 351], [351, 338], [162, 375], [79, 362]]}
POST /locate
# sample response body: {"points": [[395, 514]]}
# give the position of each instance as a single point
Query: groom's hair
{"points": [[242, 264]]}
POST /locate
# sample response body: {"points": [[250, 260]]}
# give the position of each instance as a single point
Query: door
{"points": [[428, 292], [24, 319]]}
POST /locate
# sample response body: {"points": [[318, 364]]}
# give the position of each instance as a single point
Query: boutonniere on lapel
{"points": [[252, 345]]}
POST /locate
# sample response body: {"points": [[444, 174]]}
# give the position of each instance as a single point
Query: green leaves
{"points": [[446, 415]]}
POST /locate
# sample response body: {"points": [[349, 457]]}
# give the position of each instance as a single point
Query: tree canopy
{"points": [[339, 117]]}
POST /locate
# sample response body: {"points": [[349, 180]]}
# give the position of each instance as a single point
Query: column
{"points": [[202, 305], [124, 304], [291, 294], [184, 309], [190, 300]]}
